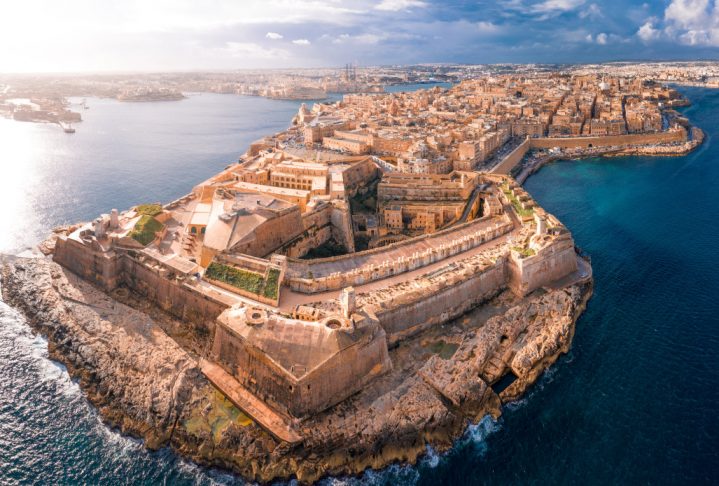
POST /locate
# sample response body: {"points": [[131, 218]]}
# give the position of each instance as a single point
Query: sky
{"points": [[162, 35]]}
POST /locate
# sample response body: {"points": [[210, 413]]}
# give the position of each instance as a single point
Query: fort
{"points": [[308, 270]]}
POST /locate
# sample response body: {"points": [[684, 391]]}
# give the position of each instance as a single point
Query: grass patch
{"points": [[148, 209], [242, 279], [145, 230], [246, 280], [272, 284], [525, 252], [443, 349]]}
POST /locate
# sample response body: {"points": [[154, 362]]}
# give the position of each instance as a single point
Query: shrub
{"points": [[148, 209], [272, 284]]}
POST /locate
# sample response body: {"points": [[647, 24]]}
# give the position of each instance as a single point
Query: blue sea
{"points": [[634, 402]]}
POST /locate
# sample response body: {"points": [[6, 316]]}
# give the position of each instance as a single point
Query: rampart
{"points": [[329, 221], [548, 264], [110, 270], [506, 165], [445, 297], [102, 269]]}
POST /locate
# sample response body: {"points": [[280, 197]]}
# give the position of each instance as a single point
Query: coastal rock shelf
{"points": [[145, 384]]}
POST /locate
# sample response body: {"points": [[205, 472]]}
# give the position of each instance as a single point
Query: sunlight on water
{"points": [[21, 147]]}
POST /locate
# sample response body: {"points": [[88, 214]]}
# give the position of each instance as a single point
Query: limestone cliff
{"points": [[147, 385]]}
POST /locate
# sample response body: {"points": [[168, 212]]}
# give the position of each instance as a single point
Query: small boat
{"points": [[69, 129]]}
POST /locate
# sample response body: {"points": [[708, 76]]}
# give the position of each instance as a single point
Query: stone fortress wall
{"points": [[513, 158], [444, 298], [334, 273], [176, 297], [331, 221], [102, 269], [550, 263]]}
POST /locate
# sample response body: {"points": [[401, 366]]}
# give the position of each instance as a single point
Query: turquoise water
{"points": [[635, 401]]}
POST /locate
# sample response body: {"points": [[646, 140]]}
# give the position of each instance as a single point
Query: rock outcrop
{"points": [[147, 385]]}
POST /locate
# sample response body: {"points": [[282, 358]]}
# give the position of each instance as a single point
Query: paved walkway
{"points": [[406, 248], [289, 298], [582, 274]]}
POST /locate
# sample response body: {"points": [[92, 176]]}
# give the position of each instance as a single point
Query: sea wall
{"points": [[102, 269], [173, 296], [678, 135], [343, 374]]}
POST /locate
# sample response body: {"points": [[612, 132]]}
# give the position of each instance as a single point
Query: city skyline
{"points": [[277, 33]]}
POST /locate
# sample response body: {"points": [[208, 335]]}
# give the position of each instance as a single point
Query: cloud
{"points": [[369, 38], [692, 22], [398, 5], [687, 14], [181, 34], [487, 27], [593, 12], [557, 6], [647, 32], [251, 51]]}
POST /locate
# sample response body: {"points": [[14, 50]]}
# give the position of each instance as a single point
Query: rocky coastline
{"points": [[147, 385]]}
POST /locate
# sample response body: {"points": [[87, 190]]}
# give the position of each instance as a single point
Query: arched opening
{"points": [[202, 231], [193, 230]]}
